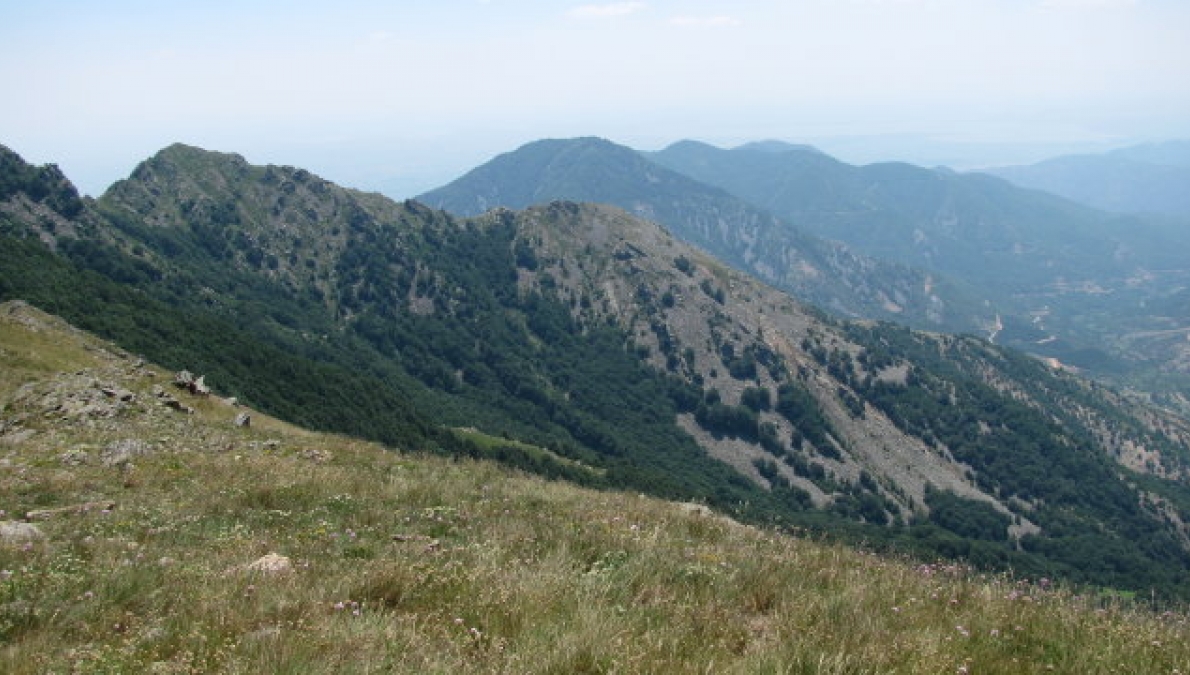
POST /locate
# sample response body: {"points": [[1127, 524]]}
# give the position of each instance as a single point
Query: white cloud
{"points": [[607, 10], [717, 21]]}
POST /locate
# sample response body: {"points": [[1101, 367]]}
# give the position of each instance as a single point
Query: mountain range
{"points": [[1100, 291], [583, 342], [1151, 178], [819, 271]]}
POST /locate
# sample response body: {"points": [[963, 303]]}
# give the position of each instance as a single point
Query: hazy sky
{"points": [[407, 95]]}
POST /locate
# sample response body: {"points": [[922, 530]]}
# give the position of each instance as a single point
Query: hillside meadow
{"points": [[168, 542]]}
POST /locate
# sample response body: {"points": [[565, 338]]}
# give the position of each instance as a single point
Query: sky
{"points": [[404, 96]]}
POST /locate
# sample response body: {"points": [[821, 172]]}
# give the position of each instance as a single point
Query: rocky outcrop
{"points": [[197, 386]]}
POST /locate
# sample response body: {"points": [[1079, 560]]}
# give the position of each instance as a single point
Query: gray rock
{"points": [[119, 394], [174, 404], [120, 453], [271, 563], [75, 457], [13, 532], [243, 420]]}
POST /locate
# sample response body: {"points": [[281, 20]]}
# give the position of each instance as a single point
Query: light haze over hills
{"points": [[400, 97]]}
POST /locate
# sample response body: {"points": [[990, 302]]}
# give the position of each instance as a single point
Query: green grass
{"points": [[410, 563], [490, 444]]}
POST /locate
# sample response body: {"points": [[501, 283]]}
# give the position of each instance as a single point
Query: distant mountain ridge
{"points": [[1094, 289], [818, 271], [1152, 178], [581, 342]]}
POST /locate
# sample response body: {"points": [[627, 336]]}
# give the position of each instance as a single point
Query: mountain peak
{"points": [[45, 184], [775, 147]]}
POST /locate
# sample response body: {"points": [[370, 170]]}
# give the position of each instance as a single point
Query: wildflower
{"points": [[339, 606], [896, 610], [458, 621], [963, 631], [962, 670], [995, 632]]}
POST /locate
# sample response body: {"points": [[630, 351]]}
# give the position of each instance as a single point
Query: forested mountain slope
{"points": [[818, 271], [1101, 292], [582, 342]]}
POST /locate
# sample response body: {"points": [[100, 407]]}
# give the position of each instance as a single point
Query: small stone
{"points": [[174, 404], [74, 457], [118, 394], [243, 420]]}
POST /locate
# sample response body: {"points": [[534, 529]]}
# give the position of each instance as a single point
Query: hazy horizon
{"points": [[404, 98]]}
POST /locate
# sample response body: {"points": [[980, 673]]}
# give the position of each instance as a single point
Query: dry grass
{"points": [[405, 563]]}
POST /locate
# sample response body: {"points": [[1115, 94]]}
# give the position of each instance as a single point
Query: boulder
{"points": [[271, 564], [183, 379], [15, 533], [243, 420], [120, 453]]}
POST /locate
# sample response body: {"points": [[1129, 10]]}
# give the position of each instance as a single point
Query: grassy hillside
{"points": [[407, 563]]}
